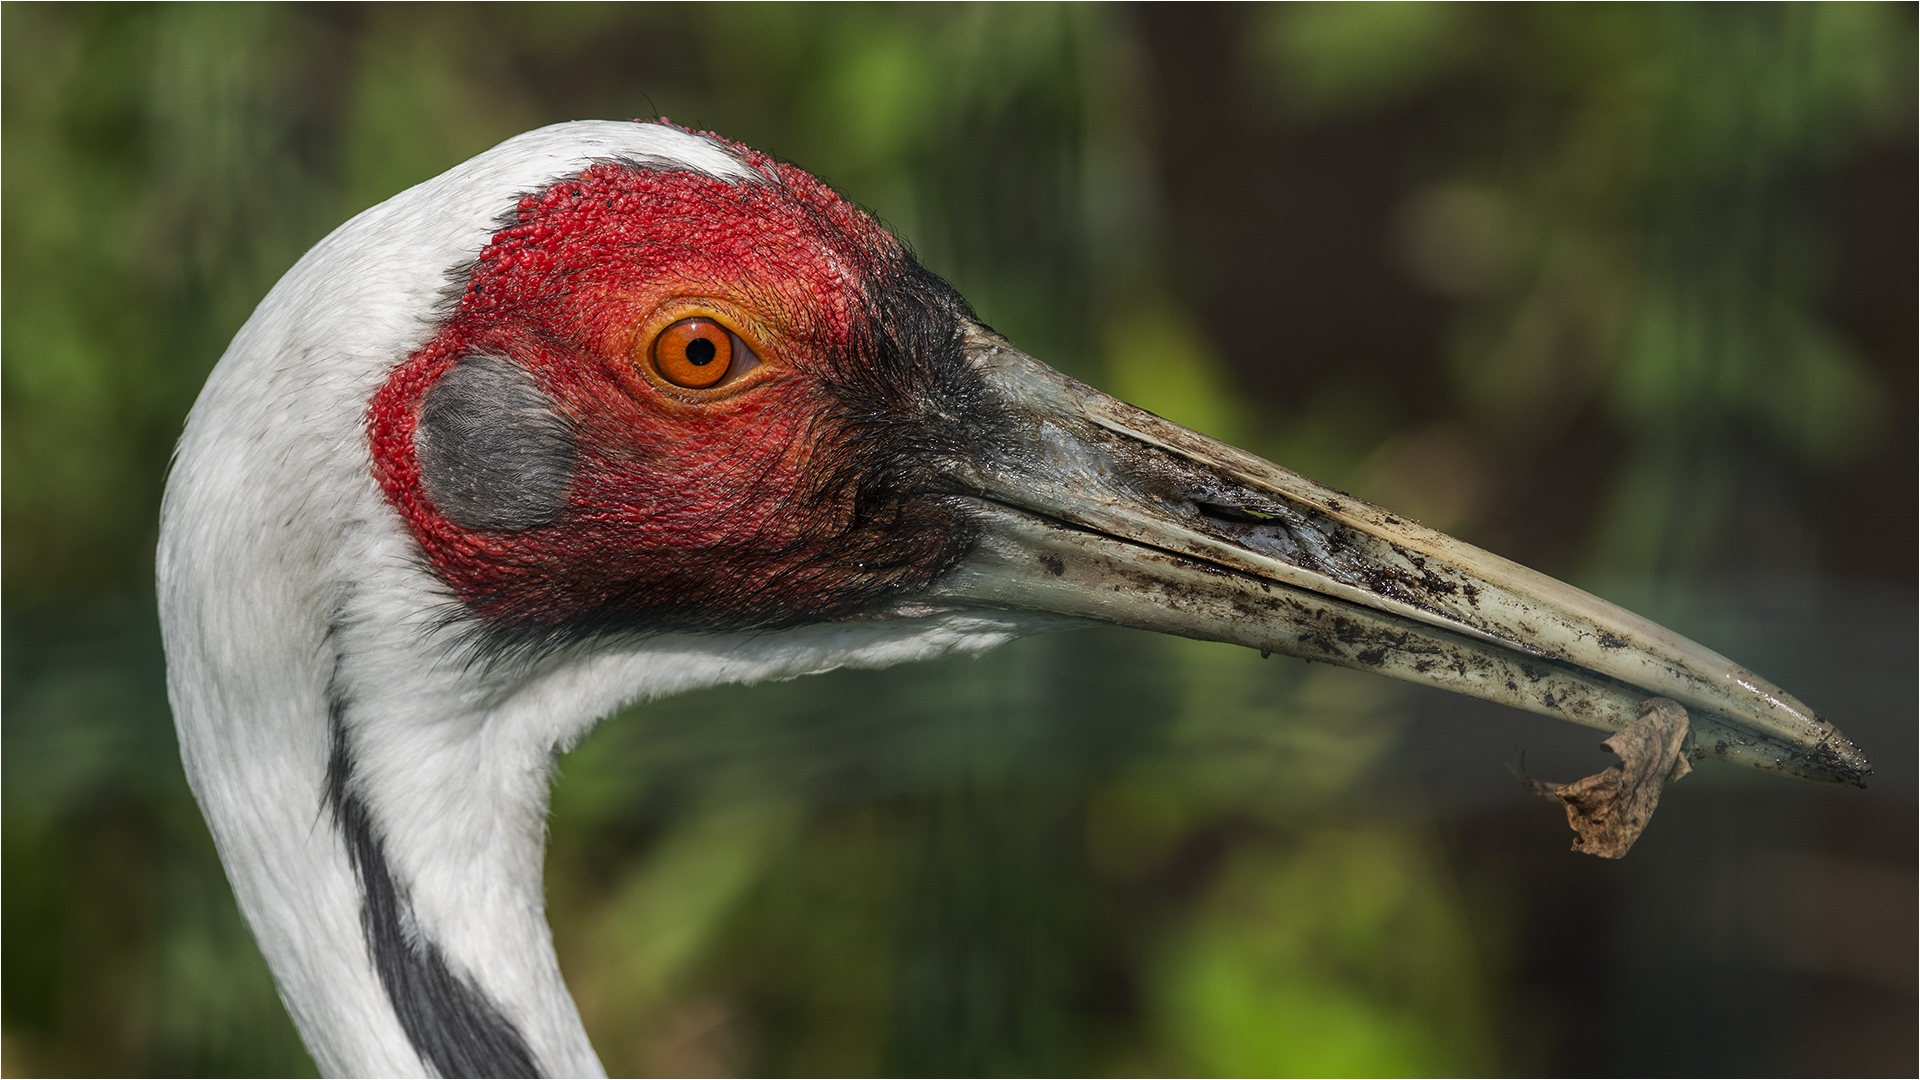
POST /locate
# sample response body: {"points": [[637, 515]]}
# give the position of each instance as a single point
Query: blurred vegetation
{"points": [[1097, 853]]}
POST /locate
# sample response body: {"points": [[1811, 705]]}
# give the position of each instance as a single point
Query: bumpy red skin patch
{"points": [[688, 511]]}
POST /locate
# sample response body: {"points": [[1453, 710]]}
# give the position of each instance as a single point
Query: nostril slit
{"points": [[1233, 514]]}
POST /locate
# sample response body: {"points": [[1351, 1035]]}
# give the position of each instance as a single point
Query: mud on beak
{"points": [[1089, 507]]}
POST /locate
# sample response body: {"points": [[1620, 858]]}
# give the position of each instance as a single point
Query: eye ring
{"points": [[694, 353]]}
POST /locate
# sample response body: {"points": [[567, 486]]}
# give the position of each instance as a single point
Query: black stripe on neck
{"points": [[450, 1023]]}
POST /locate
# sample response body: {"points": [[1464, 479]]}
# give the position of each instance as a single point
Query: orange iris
{"points": [[694, 353]]}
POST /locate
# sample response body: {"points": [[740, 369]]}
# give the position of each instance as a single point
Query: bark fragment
{"points": [[1610, 809]]}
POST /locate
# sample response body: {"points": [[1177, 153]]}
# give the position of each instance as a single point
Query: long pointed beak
{"points": [[1089, 507]]}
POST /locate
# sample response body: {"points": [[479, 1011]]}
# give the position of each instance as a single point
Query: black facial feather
{"points": [[449, 1021]]}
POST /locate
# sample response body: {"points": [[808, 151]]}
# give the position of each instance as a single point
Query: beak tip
{"points": [[1846, 761], [1838, 757]]}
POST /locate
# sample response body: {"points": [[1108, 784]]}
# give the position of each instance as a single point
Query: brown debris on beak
{"points": [[1610, 809]]}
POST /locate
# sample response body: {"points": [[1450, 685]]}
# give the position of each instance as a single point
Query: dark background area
{"points": [[1626, 293]]}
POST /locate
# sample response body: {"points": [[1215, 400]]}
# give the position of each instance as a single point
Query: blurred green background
{"points": [[1623, 292]]}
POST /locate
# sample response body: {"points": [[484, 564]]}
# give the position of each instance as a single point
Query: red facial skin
{"points": [[735, 507]]}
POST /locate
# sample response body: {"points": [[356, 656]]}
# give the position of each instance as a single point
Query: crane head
{"points": [[671, 401], [663, 400]]}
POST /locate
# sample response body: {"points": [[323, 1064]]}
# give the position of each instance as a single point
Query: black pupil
{"points": [[700, 352]]}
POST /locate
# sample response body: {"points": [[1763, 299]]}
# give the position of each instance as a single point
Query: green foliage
{"points": [[1157, 359], [1334, 58], [1629, 226], [1342, 957]]}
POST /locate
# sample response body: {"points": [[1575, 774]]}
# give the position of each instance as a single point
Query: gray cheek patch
{"points": [[493, 454]]}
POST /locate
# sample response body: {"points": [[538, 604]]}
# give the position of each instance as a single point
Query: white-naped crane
{"points": [[617, 410]]}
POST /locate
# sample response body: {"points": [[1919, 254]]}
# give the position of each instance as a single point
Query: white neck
{"points": [[449, 773]]}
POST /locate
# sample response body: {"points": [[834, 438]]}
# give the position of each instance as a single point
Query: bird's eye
{"points": [[694, 353]]}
